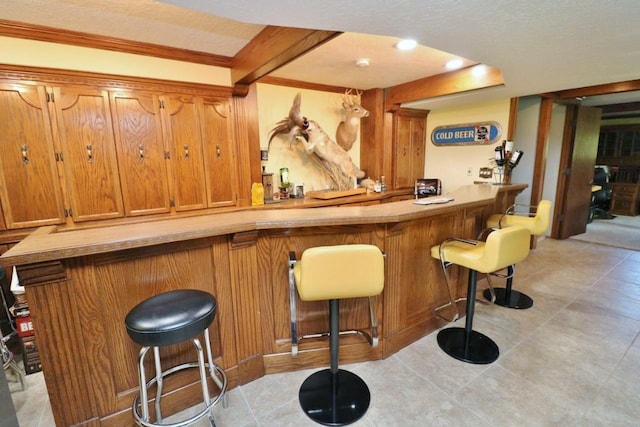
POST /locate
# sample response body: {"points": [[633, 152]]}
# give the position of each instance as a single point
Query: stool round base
{"points": [[206, 411], [334, 399], [517, 299], [475, 348]]}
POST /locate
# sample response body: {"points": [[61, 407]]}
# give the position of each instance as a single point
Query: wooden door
{"points": [[83, 122], [181, 123], [142, 159], [216, 128], [409, 134], [29, 183], [578, 176]]}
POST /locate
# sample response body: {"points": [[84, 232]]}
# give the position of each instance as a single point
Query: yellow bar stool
{"points": [[334, 396], [502, 248], [537, 225]]}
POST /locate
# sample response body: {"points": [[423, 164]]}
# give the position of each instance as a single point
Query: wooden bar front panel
{"points": [[79, 300]]}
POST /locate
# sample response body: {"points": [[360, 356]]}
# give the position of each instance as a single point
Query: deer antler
{"points": [[348, 129]]}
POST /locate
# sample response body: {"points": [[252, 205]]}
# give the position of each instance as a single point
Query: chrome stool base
{"points": [[334, 399]]}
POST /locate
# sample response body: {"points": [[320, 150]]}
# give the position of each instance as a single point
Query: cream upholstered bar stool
{"points": [[335, 396], [537, 225], [167, 319], [502, 248]]}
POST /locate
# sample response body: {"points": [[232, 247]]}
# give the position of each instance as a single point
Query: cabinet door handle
{"points": [[141, 153], [90, 153], [186, 152], [25, 155], [218, 151]]}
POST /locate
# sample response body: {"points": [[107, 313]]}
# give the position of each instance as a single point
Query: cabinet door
{"points": [[141, 155], [83, 122], [30, 186], [181, 124], [409, 134], [219, 152]]}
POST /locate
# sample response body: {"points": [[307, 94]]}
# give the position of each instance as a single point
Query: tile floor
{"points": [[571, 360]]}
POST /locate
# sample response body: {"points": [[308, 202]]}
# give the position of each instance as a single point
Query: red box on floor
{"points": [[24, 326]]}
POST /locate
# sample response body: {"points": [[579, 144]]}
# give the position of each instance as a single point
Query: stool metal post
{"points": [[334, 397], [466, 344], [212, 366]]}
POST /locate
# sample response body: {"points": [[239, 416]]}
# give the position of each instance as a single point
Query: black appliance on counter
{"points": [[426, 187]]}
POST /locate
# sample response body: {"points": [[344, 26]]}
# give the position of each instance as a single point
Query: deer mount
{"points": [[331, 157]]}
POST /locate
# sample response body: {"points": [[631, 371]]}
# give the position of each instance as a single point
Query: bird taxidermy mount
{"points": [[331, 157]]}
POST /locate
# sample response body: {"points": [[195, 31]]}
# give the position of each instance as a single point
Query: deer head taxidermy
{"points": [[348, 129]]}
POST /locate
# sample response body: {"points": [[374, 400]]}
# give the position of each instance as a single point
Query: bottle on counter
{"points": [[377, 187], [284, 177], [257, 194], [383, 185]]}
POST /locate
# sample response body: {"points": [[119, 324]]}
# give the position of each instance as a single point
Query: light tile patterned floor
{"points": [[571, 360]]}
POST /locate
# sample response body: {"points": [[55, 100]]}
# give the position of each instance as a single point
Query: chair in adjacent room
{"points": [[164, 320], [537, 224], [601, 199], [335, 396], [502, 248]]}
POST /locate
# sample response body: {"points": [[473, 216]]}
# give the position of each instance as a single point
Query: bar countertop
{"points": [[50, 243]]}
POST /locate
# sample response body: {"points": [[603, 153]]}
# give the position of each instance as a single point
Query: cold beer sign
{"points": [[485, 133]]}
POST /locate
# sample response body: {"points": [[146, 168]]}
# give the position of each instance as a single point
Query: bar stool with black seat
{"points": [[503, 247], [334, 396], [537, 225], [167, 319]]}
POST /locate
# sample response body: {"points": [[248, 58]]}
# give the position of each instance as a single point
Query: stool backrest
{"points": [[341, 271], [504, 247], [542, 220]]}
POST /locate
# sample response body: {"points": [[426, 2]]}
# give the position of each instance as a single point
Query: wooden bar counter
{"points": [[80, 284]]}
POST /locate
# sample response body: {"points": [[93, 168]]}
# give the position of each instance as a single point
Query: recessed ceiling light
{"points": [[454, 64], [406, 44], [479, 70], [362, 62]]}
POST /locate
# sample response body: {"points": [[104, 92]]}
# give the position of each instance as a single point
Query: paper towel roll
{"points": [[16, 287]]}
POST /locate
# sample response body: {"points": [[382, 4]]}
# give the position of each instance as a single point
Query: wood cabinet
{"points": [[30, 190], [619, 145], [181, 144], [88, 151], [141, 154], [409, 136], [624, 199], [217, 139]]}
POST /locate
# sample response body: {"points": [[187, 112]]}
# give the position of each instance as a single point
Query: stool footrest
{"points": [[201, 414], [334, 399]]}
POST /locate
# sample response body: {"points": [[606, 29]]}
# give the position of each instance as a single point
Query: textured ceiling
{"points": [[540, 46]]}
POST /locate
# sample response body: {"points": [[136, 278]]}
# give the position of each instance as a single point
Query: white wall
{"points": [[525, 139], [274, 103], [52, 55], [450, 163]]}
